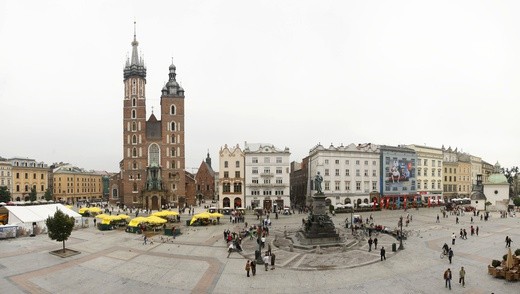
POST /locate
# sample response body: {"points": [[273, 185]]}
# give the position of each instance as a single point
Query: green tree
{"points": [[48, 194], [5, 195], [60, 226], [516, 201], [511, 175], [33, 195]]}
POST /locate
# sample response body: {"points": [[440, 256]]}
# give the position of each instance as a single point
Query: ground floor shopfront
{"points": [[269, 203]]}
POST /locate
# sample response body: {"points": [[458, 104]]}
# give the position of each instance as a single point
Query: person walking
{"points": [[248, 267], [370, 241], [145, 239], [383, 252], [273, 257], [476, 230], [266, 261], [437, 219], [457, 220], [453, 237], [230, 249], [450, 255], [253, 268], [375, 243], [447, 278], [462, 274]]}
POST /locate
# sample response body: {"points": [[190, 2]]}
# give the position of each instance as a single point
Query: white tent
{"points": [[25, 216]]}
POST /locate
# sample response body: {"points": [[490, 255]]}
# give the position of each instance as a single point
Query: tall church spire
{"points": [[135, 66]]}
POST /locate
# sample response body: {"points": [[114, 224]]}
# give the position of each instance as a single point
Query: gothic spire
{"points": [[135, 65]]}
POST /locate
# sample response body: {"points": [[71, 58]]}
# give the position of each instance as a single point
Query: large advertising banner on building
{"points": [[399, 175]]}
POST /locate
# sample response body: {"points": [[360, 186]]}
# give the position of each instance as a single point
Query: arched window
{"points": [[134, 152], [133, 113], [172, 126], [172, 109], [134, 139], [153, 154], [135, 165], [134, 102], [173, 139], [134, 126]]}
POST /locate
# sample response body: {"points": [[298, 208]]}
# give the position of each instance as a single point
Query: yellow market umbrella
{"points": [[203, 215], [102, 215], [193, 219], [216, 214], [136, 221], [82, 210], [123, 216], [94, 209], [156, 220], [68, 206], [165, 213]]}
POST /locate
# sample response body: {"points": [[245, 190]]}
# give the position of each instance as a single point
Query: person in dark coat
{"points": [[383, 252], [273, 257]]}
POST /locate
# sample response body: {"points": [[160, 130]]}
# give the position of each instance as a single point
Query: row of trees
{"points": [[5, 195]]}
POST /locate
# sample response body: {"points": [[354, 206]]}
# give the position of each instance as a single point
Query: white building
{"points": [[231, 177], [267, 171], [350, 173], [429, 172], [496, 190]]}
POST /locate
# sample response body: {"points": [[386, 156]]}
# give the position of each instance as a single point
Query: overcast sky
{"points": [[290, 73]]}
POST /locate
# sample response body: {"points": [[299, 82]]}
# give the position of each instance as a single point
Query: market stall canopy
{"points": [[216, 214], [37, 213], [165, 213], [136, 221], [123, 216], [155, 220]]}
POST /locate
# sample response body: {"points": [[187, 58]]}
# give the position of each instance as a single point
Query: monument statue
{"points": [[317, 183]]}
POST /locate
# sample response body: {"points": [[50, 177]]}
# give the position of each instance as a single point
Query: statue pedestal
{"points": [[319, 227]]}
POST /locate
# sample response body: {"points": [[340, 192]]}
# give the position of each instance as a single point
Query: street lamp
{"points": [[401, 247]]}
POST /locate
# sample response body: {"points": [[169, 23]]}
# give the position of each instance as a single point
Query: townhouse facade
{"points": [[350, 173], [27, 174], [231, 177], [267, 175], [429, 172], [72, 184]]}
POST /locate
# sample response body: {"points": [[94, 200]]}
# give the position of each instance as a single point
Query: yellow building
{"points": [[72, 184], [27, 173], [463, 176]]}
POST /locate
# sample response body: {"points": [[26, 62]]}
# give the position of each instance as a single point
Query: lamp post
{"points": [[401, 247]]}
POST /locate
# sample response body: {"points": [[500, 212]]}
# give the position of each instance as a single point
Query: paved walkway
{"points": [[196, 261]]}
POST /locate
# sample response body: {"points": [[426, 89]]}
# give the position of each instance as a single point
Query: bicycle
{"points": [[443, 253]]}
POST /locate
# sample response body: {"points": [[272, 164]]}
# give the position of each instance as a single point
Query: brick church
{"points": [[152, 170]]}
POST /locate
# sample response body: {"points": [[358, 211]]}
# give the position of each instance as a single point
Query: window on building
{"points": [[237, 163], [173, 126], [327, 185], [255, 181], [366, 186], [358, 173], [278, 160], [279, 180], [374, 185], [226, 187], [347, 172], [267, 160], [135, 187], [237, 174], [172, 109], [226, 174], [366, 162], [237, 187], [337, 185], [26, 175], [336, 161], [418, 184], [357, 162], [326, 171], [433, 173], [374, 162], [267, 170], [279, 170], [225, 164], [433, 185], [347, 162], [267, 181], [366, 172], [426, 162], [134, 152], [347, 186], [337, 172], [255, 160], [358, 186], [134, 139], [254, 170], [326, 161]]}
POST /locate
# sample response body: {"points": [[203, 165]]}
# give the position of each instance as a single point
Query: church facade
{"points": [[152, 170]]}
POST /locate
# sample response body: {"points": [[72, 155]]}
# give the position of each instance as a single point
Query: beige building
{"points": [[487, 170], [429, 172], [28, 173], [464, 175], [450, 166], [72, 184], [231, 177], [6, 177]]}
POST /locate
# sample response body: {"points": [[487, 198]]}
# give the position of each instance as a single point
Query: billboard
{"points": [[398, 174], [400, 171]]}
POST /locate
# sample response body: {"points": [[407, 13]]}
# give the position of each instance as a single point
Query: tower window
{"points": [[134, 152], [134, 102], [172, 126], [134, 139], [134, 126], [133, 113], [172, 109]]}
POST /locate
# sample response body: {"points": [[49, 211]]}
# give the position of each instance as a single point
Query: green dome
{"points": [[497, 179]]}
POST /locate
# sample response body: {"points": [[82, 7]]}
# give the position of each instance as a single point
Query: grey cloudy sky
{"points": [[291, 73]]}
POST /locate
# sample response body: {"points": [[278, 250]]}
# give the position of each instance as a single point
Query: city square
{"points": [[196, 261]]}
